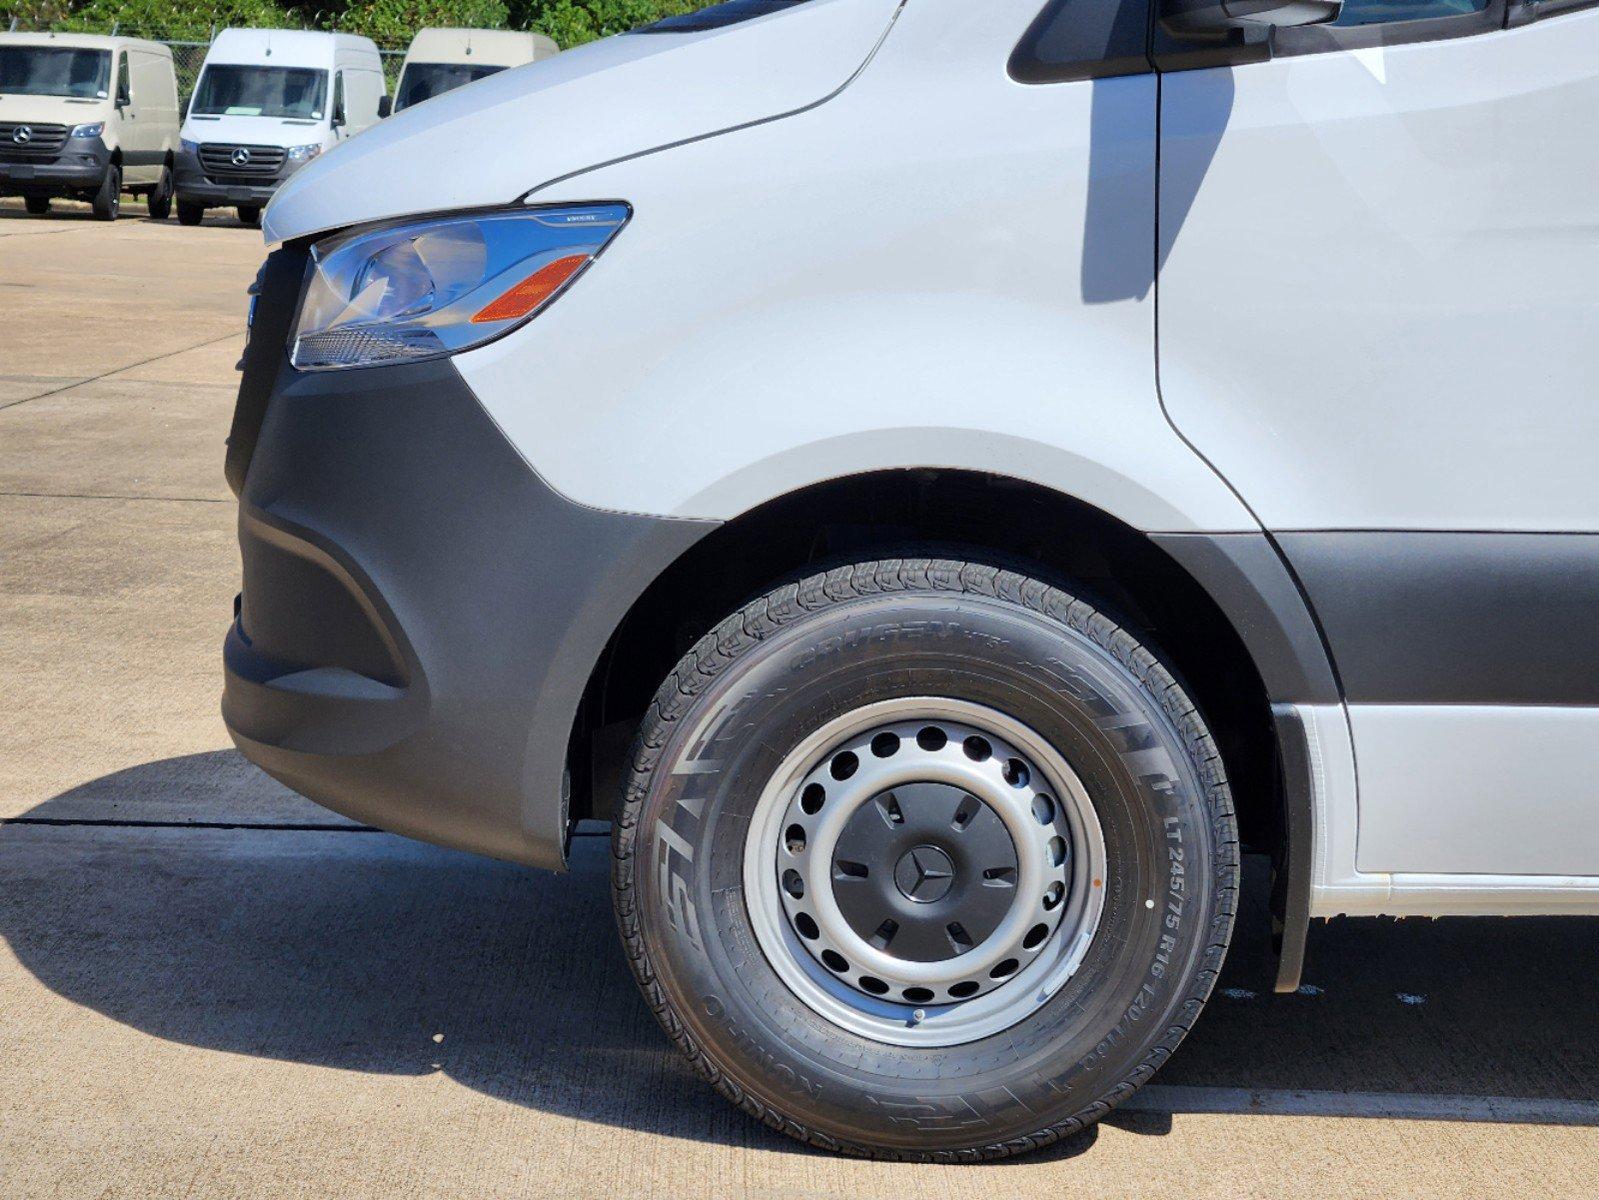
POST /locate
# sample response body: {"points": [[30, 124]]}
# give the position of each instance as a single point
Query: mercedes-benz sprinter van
{"points": [[940, 478], [267, 102], [441, 60], [87, 117]]}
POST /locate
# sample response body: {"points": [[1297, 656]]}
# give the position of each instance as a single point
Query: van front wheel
{"points": [[37, 205], [190, 214], [249, 214], [108, 200], [925, 859]]}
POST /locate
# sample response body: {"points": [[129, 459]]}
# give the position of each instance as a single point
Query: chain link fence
{"points": [[188, 54]]}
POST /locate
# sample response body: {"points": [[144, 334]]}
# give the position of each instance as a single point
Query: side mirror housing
{"points": [[1199, 18], [385, 106], [123, 98]]}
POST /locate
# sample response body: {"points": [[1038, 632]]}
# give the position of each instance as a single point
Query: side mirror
{"points": [[385, 106], [123, 98], [1199, 18], [338, 118]]}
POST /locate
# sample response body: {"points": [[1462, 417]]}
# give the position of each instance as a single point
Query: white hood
{"points": [[255, 131], [493, 141]]}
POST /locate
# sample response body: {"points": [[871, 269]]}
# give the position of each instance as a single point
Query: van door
{"points": [[1378, 319]]}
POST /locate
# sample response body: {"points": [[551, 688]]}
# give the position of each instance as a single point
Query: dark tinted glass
{"points": [[294, 92], [719, 15], [423, 81], [51, 71], [1378, 12]]}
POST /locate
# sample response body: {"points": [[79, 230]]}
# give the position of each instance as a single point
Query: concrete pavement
{"points": [[209, 987]]}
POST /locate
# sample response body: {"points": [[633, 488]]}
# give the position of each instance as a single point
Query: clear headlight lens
{"points": [[188, 147], [430, 288], [94, 129], [301, 153]]}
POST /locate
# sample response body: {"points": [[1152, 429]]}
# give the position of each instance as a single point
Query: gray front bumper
{"points": [[194, 186], [80, 167]]}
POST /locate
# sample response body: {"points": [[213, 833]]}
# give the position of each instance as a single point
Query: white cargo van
{"points": [[441, 60], [267, 102], [941, 478], [87, 117]]}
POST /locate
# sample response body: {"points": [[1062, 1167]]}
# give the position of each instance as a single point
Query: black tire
{"points": [[190, 214], [160, 200], [764, 680], [249, 214], [37, 205], [108, 200]]}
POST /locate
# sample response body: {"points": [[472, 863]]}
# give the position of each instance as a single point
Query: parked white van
{"points": [[441, 60], [267, 102], [87, 117], [940, 477]]}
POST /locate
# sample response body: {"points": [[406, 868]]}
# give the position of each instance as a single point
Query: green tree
{"points": [[163, 18], [572, 22], [395, 22]]}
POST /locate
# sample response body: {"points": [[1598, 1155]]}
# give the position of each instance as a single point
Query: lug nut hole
{"points": [[1053, 897], [793, 884], [873, 985], [1035, 937], [967, 988], [1006, 968], [807, 927], [885, 745], [977, 748], [835, 961], [1043, 810], [844, 765], [794, 839], [932, 739], [812, 799], [1017, 774], [918, 995]]}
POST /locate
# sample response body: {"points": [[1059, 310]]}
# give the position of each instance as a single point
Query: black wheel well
{"points": [[945, 512]]}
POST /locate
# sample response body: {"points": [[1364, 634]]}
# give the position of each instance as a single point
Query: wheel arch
{"points": [[1221, 609]]}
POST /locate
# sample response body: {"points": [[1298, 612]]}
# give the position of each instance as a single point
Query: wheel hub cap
{"points": [[915, 863]]}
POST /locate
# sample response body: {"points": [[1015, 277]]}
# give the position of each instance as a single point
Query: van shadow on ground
{"points": [[355, 950]]}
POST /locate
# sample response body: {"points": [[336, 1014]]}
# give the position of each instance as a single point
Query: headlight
{"points": [[302, 153], [188, 147], [88, 131], [430, 288]]}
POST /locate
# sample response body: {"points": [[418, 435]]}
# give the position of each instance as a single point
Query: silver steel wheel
{"points": [[924, 871]]}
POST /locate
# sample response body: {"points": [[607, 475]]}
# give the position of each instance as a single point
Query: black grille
{"points": [[219, 161], [23, 141]]}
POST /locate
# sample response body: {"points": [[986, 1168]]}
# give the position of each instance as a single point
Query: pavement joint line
{"points": [[1180, 1099], [130, 823], [110, 496], [119, 370], [263, 826]]}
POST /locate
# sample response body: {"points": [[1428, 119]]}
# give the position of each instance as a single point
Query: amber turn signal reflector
{"points": [[532, 291]]}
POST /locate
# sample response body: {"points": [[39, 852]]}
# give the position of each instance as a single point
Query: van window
{"points": [[1376, 12], [338, 97], [53, 71], [423, 81], [718, 15], [237, 90], [123, 91]]}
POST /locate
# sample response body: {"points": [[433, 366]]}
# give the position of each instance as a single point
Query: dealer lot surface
{"points": [[209, 987]]}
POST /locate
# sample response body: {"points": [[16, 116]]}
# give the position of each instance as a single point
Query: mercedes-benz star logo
{"points": [[924, 874], [22, 135], [241, 157]]}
